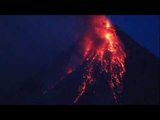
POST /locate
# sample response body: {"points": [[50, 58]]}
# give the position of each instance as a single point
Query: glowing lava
{"points": [[103, 53], [102, 46], [69, 70]]}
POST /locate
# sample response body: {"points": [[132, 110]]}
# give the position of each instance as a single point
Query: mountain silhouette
{"points": [[140, 81]]}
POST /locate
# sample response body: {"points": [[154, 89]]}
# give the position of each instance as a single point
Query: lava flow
{"points": [[101, 46]]}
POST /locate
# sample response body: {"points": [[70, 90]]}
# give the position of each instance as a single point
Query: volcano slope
{"points": [[140, 81]]}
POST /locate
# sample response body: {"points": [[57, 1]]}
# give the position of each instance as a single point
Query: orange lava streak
{"points": [[101, 45], [69, 70]]}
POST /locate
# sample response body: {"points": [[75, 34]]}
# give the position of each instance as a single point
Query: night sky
{"points": [[145, 29], [30, 43]]}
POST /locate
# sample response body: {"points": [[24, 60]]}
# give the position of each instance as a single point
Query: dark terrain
{"points": [[141, 81]]}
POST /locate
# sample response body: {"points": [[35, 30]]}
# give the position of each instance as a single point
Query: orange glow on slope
{"points": [[108, 24], [101, 45], [69, 70]]}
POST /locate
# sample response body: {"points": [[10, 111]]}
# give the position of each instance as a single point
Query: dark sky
{"points": [[30, 43], [37, 39], [145, 29], [48, 33]]}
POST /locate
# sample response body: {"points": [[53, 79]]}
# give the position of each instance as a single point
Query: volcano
{"points": [[95, 71], [140, 80]]}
